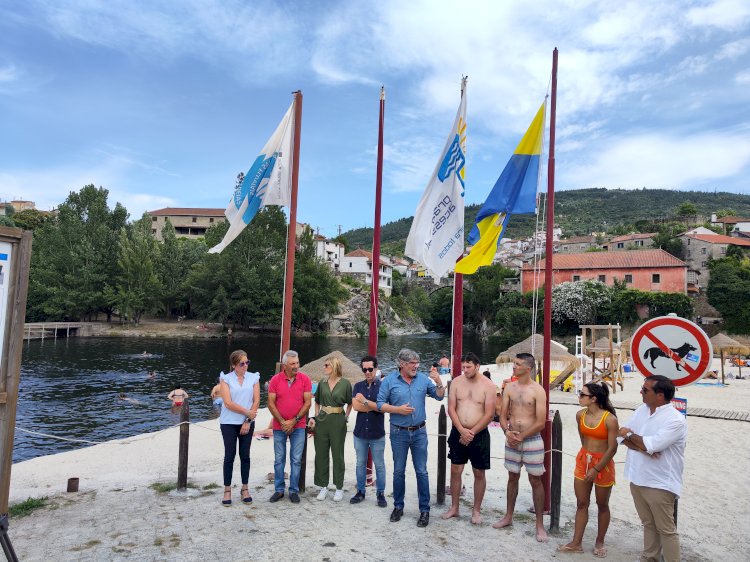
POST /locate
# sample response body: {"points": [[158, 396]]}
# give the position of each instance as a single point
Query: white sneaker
{"points": [[322, 494], [338, 496]]}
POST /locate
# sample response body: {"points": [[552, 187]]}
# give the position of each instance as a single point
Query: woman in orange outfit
{"points": [[597, 426]]}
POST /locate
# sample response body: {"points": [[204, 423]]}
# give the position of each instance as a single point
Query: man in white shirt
{"points": [[655, 437]]}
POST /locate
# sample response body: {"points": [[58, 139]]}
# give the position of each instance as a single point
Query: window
{"points": [[211, 219], [195, 219], [639, 242], [688, 241], [621, 244], [656, 278], [703, 251], [603, 278], [153, 231], [576, 278], [704, 264], [723, 250], [628, 278], [154, 219]]}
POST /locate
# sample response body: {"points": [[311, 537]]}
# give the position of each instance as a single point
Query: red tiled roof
{"points": [[636, 236], [360, 253], [720, 239], [612, 260], [187, 211], [732, 220], [578, 240]]}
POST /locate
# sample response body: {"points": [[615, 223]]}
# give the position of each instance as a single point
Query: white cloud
{"points": [[727, 15], [661, 161], [8, 73], [733, 50], [742, 77]]}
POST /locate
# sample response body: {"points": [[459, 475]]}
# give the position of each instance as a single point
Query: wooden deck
{"points": [[52, 330], [571, 400]]}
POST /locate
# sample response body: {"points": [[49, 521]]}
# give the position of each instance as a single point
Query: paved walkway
{"points": [[571, 399]]}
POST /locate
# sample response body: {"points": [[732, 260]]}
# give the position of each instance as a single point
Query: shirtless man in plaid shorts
{"points": [[523, 413]]}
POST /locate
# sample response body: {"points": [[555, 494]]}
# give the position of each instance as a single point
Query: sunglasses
{"points": [[243, 363], [368, 369], [582, 394]]}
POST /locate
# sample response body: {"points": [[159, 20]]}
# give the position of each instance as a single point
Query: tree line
{"points": [[88, 262]]}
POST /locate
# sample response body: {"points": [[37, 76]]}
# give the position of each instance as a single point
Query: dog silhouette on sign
{"points": [[653, 353]]}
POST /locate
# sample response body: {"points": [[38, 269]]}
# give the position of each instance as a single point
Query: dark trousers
{"points": [[231, 435]]}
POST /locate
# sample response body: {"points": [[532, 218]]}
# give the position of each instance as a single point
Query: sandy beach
{"points": [[118, 515]]}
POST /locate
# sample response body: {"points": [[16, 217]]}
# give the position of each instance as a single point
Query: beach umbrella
{"points": [[350, 370], [724, 344], [557, 352]]}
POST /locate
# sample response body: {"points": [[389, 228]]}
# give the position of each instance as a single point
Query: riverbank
{"points": [[117, 514]]}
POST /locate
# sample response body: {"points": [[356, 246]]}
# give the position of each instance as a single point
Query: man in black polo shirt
{"points": [[369, 431]]}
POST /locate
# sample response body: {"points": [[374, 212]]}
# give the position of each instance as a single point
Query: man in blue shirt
{"points": [[403, 396], [369, 431]]}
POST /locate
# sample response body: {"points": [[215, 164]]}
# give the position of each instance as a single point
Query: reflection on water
{"points": [[71, 387]]}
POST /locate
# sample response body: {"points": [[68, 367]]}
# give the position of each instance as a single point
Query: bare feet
{"points": [[506, 521], [452, 512], [541, 535], [570, 547], [600, 551], [476, 518]]}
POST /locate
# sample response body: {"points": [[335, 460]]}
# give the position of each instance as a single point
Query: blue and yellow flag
{"points": [[514, 192]]}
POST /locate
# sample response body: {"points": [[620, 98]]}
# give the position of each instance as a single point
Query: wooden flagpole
{"points": [[372, 348], [291, 243], [547, 434]]}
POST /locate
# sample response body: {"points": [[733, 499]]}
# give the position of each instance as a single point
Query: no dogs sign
{"points": [[673, 347]]}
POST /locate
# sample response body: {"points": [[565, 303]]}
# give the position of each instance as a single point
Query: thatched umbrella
{"points": [[350, 370], [557, 352], [723, 343]]}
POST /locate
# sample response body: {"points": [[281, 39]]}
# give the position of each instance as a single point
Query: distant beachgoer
{"points": [[146, 354], [527, 403], [240, 392], [177, 396], [333, 398], [127, 398], [597, 427], [152, 375]]}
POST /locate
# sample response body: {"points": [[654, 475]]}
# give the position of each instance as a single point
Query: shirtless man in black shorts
{"points": [[471, 407]]}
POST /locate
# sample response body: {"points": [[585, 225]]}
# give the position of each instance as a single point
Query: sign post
{"points": [[673, 347]]}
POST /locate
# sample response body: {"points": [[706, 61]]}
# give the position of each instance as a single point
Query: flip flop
{"points": [[569, 549], [600, 551]]}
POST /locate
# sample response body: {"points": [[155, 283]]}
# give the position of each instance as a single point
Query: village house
{"points": [[576, 244], [646, 270], [328, 251], [358, 264], [698, 249], [187, 222], [637, 241], [732, 225]]}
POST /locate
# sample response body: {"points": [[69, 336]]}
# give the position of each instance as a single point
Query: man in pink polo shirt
{"points": [[289, 398]]}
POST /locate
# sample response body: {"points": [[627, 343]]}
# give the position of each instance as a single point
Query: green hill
{"points": [[582, 211]]}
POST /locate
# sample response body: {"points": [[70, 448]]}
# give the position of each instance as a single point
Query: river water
{"points": [[70, 387]]}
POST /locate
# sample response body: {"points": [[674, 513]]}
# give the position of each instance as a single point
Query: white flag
{"points": [[436, 238], [268, 182]]}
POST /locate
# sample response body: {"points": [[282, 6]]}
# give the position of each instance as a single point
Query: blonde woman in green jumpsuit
{"points": [[333, 402]]}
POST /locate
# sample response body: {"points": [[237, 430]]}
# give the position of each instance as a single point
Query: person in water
{"points": [[177, 396]]}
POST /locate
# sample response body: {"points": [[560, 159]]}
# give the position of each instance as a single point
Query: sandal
{"points": [[246, 498], [227, 501]]}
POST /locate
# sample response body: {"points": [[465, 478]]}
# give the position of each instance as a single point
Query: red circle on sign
{"points": [[646, 330]]}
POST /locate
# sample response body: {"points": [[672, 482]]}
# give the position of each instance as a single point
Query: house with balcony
{"points": [[328, 251], [188, 222], [358, 264], [646, 270]]}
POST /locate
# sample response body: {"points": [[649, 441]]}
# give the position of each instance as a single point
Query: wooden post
{"points": [[303, 467], [17, 279], [556, 476], [182, 460], [442, 444], [721, 352]]}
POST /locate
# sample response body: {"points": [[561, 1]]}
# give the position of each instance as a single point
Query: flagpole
{"points": [[286, 318], [372, 348], [457, 335], [548, 252]]}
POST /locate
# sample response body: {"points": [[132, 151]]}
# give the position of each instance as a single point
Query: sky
{"points": [[163, 103]]}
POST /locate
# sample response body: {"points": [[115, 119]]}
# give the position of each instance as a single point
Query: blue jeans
{"points": [[296, 445], [377, 447], [402, 441]]}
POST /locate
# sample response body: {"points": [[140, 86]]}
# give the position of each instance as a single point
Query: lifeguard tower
{"points": [[601, 355]]}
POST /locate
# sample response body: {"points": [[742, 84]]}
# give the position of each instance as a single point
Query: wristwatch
{"points": [[628, 434], [297, 418]]}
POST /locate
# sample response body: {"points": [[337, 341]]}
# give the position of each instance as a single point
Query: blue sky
{"points": [[163, 103]]}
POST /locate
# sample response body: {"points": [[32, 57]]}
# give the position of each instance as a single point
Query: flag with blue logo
{"points": [[436, 238], [268, 182], [514, 193]]}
